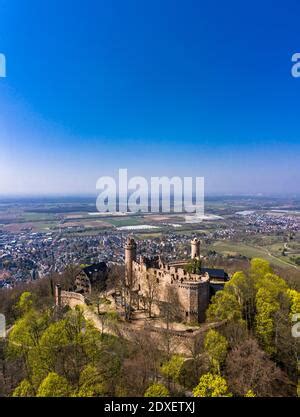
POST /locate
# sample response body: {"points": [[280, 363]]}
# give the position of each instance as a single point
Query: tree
{"points": [[54, 385], [64, 347], [171, 369], [224, 306], [170, 312], [259, 268], [266, 307], [286, 346], [270, 299], [260, 298], [109, 320], [125, 286], [25, 302], [194, 266], [24, 389], [260, 303], [54, 339], [216, 345], [157, 390], [24, 335], [242, 286], [197, 364], [249, 368], [294, 297], [235, 332], [211, 385], [116, 277], [143, 364], [151, 291], [250, 393], [23, 341], [91, 383], [94, 300], [68, 277]]}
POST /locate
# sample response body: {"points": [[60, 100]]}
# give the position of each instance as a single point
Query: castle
{"points": [[190, 291]]}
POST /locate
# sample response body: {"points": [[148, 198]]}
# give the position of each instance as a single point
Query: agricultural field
{"points": [[272, 253], [245, 227]]}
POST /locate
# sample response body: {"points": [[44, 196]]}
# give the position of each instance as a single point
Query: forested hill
{"points": [[58, 352]]}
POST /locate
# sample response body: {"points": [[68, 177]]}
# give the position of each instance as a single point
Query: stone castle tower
{"points": [[130, 257], [189, 291], [195, 248]]}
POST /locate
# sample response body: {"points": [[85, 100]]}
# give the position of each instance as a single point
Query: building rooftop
{"points": [[215, 273]]}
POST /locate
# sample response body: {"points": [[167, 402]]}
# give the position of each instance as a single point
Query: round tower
{"points": [[130, 256], [195, 248]]}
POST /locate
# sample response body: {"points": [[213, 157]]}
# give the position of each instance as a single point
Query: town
{"points": [[34, 249]]}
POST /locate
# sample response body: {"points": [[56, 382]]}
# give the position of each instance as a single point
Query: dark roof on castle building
{"points": [[215, 273], [95, 268]]}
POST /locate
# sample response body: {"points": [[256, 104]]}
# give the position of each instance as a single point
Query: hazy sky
{"points": [[161, 87]]}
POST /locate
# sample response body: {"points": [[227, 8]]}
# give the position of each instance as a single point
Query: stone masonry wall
{"points": [[189, 291]]}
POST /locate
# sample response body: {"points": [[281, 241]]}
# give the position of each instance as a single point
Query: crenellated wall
{"points": [[190, 292], [69, 298]]}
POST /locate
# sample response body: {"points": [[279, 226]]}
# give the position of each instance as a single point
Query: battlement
{"points": [[190, 291], [175, 270]]}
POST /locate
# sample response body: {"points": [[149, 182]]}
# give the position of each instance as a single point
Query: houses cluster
{"points": [[271, 223], [26, 256]]}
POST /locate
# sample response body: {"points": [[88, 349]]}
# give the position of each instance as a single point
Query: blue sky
{"points": [[161, 87]]}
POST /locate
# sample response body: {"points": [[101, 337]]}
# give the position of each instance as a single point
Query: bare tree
{"points": [[117, 283], [198, 362], [67, 278], [124, 288], [115, 278], [249, 368], [151, 291], [287, 346], [169, 312]]}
